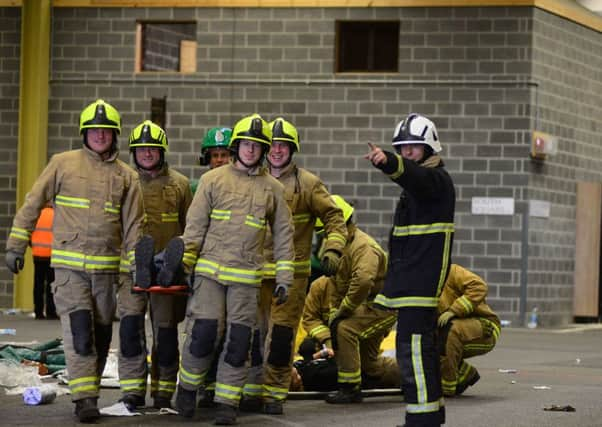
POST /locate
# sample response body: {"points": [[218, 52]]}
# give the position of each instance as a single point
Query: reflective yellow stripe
{"points": [[300, 267], [133, 385], [73, 202], [228, 392], [254, 390], [399, 170], [416, 230], [189, 259], [420, 408], [78, 259], [83, 384], [301, 218], [168, 386], [445, 263], [237, 275], [337, 237], [406, 301], [383, 324], [317, 330], [170, 217], [418, 368], [19, 233], [255, 222], [113, 209], [275, 393], [220, 215], [190, 378], [350, 377], [283, 265], [465, 303]]}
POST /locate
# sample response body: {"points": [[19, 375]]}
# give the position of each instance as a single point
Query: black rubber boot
{"points": [[206, 399], [345, 394], [172, 263], [225, 415], [273, 407], [185, 402], [461, 387], [161, 402], [133, 401], [144, 252], [86, 410], [251, 404]]}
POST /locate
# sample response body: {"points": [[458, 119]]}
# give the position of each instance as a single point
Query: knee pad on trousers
{"points": [[239, 344], [256, 359], [167, 349], [81, 330], [102, 339], [130, 341], [280, 347], [202, 339]]}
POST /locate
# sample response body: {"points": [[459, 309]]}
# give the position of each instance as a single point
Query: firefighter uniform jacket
{"points": [[307, 199], [421, 238], [98, 208], [166, 201], [316, 310], [227, 222], [464, 294], [360, 275]]}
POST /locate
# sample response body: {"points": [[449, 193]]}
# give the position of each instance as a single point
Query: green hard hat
{"points": [[216, 137]]}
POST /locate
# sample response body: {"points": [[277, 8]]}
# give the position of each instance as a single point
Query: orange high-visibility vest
{"points": [[41, 237]]}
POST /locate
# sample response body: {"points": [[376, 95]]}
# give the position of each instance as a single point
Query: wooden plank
{"points": [[139, 49], [188, 56], [587, 249]]}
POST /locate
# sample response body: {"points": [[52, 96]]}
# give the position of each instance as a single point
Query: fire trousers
{"points": [[418, 359], [216, 311], [358, 346], [465, 339], [86, 305], [166, 311], [274, 341]]}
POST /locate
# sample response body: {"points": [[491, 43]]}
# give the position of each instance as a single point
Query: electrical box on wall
{"points": [[543, 145]]}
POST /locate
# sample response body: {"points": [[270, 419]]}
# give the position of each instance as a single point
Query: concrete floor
{"points": [[568, 361]]}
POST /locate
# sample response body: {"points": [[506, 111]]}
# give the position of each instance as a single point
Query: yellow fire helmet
{"points": [[253, 128], [283, 130], [100, 114], [148, 134], [345, 207]]}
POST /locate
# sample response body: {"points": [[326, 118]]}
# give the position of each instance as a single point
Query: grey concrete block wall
{"points": [[479, 73]]}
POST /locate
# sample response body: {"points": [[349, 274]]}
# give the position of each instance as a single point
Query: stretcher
{"points": [[320, 395], [169, 290]]}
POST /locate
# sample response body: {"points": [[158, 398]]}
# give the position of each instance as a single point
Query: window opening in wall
{"points": [[166, 46], [367, 46], [158, 111]]}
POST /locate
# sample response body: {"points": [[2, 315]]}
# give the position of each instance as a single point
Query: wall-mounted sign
{"points": [[539, 208], [493, 205]]}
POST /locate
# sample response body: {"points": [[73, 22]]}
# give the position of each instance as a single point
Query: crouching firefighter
{"points": [[232, 209], [468, 327]]}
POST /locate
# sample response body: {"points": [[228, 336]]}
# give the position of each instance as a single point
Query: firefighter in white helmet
{"points": [[308, 200], [232, 210], [420, 256], [167, 196], [98, 210]]}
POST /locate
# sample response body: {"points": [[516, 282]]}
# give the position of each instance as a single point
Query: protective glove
{"points": [[281, 293], [445, 317], [330, 262], [14, 261]]}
